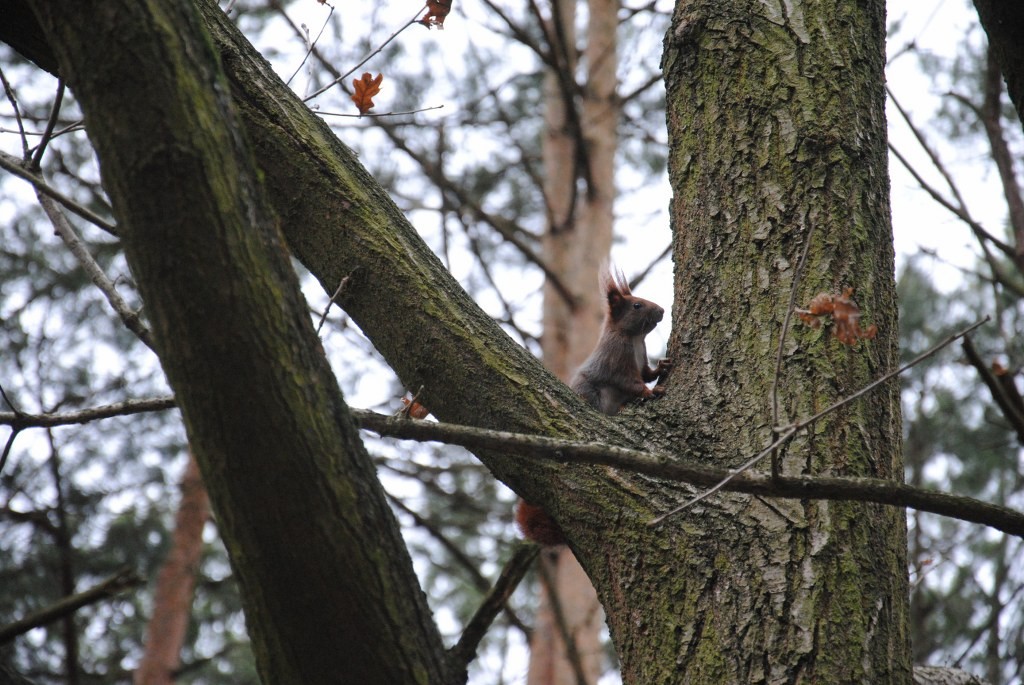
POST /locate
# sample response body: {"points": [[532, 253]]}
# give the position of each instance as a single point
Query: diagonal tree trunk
{"points": [[327, 584]]}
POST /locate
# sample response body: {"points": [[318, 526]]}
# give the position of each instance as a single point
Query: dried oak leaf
{"points": [[437, 10], [413, 408], [845, 316], [366, 87]]}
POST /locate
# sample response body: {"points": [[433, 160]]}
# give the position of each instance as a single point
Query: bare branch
{"points": [[37, 156], [983, 236], [1011, 410], [12, 165], [66, 231], [496, 599], [960, 208], [21, 420], [680, 469], [120, 581], [932, 155]]}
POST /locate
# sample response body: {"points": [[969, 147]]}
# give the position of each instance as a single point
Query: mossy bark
{"points": [[328, 588], [778, 138]]}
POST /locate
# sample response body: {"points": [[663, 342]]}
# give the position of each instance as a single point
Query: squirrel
{"points": [[615, 373]]}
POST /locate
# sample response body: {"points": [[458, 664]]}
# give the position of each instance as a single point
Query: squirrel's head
{"points": [[631, 315]]}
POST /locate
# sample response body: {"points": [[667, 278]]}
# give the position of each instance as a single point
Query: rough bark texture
{"points": [[328, 588], [777, 128], [1004, 23], [172, 598]]}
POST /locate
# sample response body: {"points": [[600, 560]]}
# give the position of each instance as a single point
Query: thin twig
{"points": [[782, 342], [66, 231], [11, 164], [983, 236], [639, 278], [932, 154], [377, 114], [365, 59], [311, 46], [12, 98], [37, 156], [960, 212], [3, 395], [793, 428], [323, 317]]}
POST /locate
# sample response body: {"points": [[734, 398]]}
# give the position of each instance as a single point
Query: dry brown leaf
{"points": [[437, 10], [845, 316], [413, 408], [366, 87]]}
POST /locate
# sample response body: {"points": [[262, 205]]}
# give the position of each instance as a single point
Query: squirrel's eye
{"points": [[637, 305]]}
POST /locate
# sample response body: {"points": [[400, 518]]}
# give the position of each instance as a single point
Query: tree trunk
{"points": [[172, 598], [777, 132], [327, 585], [1003, 23]]}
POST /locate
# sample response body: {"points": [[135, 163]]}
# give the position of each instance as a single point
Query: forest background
{"points": [[79, 502]]}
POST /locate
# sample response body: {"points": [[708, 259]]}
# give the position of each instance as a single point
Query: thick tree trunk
{"points": [[328, 588], [172, 598], [777, 131]]}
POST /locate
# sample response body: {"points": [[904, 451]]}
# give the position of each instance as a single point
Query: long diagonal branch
{"points": [[690, 471]]}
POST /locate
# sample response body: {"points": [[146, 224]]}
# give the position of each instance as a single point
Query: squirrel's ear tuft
{"points": [[613, 281]]}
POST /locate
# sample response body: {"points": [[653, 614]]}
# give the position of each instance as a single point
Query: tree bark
{"points": [[172, 598], [1004, 23], [777, 134], [328, 588]]}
